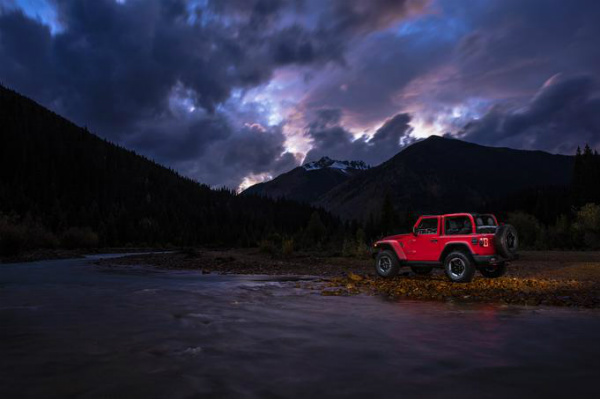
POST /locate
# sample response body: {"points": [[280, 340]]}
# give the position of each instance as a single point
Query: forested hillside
{"points": [[440, 175], [62, 186], [60, 182]]}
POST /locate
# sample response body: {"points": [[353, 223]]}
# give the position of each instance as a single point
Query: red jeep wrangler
{"points": [[460, 243]]}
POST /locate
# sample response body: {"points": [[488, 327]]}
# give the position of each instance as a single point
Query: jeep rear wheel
{"points": [[493, 271], [422, 270], [459, 267], [386, 264]]}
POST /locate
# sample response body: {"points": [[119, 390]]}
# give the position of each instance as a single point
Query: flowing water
{"points": [[69, 328]]}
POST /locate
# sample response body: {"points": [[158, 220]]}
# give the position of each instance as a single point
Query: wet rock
{"points": [[355, 277]]}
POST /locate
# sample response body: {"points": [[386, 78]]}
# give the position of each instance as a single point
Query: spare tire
{"points": [[506, 241]]}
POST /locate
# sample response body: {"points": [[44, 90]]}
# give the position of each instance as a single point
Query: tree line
{"points": [[62, 186]]}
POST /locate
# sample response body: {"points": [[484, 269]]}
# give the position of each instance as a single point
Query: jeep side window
{"points": [[427, 226], [485, 224], [458, 226]]}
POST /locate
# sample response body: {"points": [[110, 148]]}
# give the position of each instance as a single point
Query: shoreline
{"points": [[569, 279], [65, 254]]}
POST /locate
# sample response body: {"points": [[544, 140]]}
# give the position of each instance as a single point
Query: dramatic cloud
{"points": [[231, 92], [132, 70], [561, 116], [329, 138]]}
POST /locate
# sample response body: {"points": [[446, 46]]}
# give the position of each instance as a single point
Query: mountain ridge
{"points": [[445, 174], [308, 182], [326, 162], [436, 174]]}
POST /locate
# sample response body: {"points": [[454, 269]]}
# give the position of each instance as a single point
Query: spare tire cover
{"points": [[506, 241]]}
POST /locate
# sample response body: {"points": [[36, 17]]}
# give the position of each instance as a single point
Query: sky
{"points": [[234, 92]]}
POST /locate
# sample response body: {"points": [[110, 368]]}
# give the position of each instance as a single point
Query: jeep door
{"points": [[424, 245]]}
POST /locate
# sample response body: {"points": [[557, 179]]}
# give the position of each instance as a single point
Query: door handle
{"points": [[433, 240]]}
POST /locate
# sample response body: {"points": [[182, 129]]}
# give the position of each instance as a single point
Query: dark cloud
{"points": [[168, 77], [118, 67], [295, 45], [564, 114], [249, 151], [359, 16], [514, 46], [467, 54], [211, 150], [330, 139], [377, 72], [25, 54]]}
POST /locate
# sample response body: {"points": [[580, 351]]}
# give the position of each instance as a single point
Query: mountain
{"points": [[60, 176], [445, 175], [310, 181]]}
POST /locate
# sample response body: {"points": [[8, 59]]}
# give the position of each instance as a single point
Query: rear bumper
{"points": [[491, 260]]}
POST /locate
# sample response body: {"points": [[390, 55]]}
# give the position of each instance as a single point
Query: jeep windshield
{"points": [[485, 223]]}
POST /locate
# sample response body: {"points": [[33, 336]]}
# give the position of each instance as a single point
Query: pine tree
{"points": [[315, 229]]}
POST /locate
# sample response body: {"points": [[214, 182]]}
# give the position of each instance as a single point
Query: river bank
{"points": [[66, 254], [537, 278]]}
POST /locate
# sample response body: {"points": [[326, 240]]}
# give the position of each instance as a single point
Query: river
{"points": [[69, 328]]}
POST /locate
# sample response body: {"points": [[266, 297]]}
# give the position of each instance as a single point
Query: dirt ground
{"points": [[559, 278]]}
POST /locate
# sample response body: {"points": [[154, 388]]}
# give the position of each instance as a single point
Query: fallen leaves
{"points": [[355, 277], [510, 290]]}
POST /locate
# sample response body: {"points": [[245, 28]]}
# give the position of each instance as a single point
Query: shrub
{"points": [[267, 246], [39, 237], [12, 239], [79, 238], [528, 228], [287, 247], [587, 225], [348, 247], [17, 235], [560, 235], [361, 250], [356, 246]]}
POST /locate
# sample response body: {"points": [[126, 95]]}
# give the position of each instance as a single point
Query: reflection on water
{"points": [[72, 329]]}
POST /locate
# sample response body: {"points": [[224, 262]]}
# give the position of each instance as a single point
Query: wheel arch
{"points": [[455, 246], [392, 246]]}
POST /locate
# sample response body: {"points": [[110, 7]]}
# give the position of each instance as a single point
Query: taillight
{"points": [[484, 242]]}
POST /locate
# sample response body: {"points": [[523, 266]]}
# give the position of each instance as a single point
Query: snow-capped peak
{"points": [[327, 162]]}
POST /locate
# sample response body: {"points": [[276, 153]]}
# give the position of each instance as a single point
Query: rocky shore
{"points": [[537, 278]]}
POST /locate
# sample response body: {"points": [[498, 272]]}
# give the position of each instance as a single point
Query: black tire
{"points": [[422, 270], [493, 271], [506, 241], [459, 267], [386, 264]]}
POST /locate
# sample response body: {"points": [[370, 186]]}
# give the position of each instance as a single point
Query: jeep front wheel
{"points": [[386, 264], [493, 271], [459, 267]]}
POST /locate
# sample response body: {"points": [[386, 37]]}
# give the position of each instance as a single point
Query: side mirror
{"points": [[415, 230]]}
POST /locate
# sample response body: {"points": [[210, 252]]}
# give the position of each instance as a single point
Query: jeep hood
{"points": [[398, 237]]}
